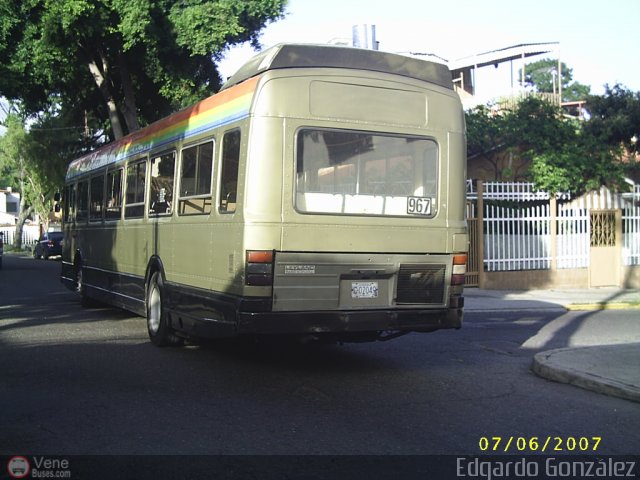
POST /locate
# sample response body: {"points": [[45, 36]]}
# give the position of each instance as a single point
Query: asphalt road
{"points": [[82, 382]]}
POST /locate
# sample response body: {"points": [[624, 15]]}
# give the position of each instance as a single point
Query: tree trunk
{"points": [[129, 110], [100, 75], [23, 214]]}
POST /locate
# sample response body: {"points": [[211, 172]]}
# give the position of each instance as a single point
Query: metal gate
{"points": [[474, 260], [604, 265]]}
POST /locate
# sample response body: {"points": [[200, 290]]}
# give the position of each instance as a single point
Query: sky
{"points": [[599, 40]]}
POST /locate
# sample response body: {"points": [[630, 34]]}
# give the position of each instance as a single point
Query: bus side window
{"points": [[229, 175], [114, 194], [136, 175], [69, 202], [195, 179], [82, 210], [97, 198], [162, 176]]}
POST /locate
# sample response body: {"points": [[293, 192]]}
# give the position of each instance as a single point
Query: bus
{"points": [[320, 194]]}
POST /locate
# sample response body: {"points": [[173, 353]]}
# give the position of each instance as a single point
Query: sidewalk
{"points": [[585, 299], [605, 368]]}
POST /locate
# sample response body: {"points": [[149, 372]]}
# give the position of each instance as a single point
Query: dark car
{"points": [[1, 247], [49, 245]]}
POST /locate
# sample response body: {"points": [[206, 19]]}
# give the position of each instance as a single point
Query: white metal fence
{"points": [[517, 238], [30, 235], [631, 228], [573, 237], [517, 226]]}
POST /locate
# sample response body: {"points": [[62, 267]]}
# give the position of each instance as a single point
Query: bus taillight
{"points": [[259, 267], [459, 269]]}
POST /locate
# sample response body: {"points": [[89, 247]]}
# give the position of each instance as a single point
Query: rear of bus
{"points": [[354, 196]]}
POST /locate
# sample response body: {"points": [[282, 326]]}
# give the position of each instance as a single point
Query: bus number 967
{"points": [[419, 206]]}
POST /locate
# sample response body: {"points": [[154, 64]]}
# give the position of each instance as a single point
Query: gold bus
{"points": [[320, 193]]}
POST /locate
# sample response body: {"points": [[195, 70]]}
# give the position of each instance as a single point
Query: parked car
{"points": [[49, 245], [1, 247]]}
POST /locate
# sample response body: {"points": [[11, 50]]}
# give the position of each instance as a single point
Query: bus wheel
{"points": [[160, 332]]}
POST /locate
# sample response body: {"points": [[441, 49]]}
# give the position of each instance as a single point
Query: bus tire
{"points": [[160, 333]]}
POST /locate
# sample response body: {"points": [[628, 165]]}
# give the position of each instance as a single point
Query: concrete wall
{"points": [[548, 279]]}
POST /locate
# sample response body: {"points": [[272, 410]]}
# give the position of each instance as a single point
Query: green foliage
{"points": [[12, 145], [577, 167], [534, 126], [128, 62], [615, 117], [206, 28], [542, 75], [109, 66], [563, 155], [485, 131], [34, 160]]}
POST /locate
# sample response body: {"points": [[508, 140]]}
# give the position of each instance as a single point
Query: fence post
{"points": [[553, 211], [480, 233], [619, 242]]}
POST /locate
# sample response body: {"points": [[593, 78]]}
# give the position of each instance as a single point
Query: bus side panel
{"points": [[192, 251], [132, 250], [264, 171]]}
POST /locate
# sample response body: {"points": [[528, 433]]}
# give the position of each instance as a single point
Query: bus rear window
{"points": [[362, 173]]}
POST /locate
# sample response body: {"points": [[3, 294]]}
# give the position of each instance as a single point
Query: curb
{"points": [[547, 367], [571, 307], [602, 306]]}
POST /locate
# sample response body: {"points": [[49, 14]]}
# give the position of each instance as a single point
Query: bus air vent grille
{"points": [[423, 284]]}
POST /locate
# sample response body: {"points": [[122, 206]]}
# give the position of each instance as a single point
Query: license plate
{"points": [[364, 290]]}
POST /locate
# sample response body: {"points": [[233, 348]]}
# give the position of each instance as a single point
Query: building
{"points": [[497, 74], [9, 206]]}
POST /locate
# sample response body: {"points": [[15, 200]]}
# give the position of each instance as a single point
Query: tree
{"points": [[564, 156], [560, 154], [13, 165], [486, 136], [579, 166], [141, 58], [536, 125], [533, 126], [34, 160], [615, 117], [542, 76]]}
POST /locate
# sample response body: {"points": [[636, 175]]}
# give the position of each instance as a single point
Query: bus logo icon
{"points": [[18, 467]]}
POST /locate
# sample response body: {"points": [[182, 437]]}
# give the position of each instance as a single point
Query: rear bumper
{"points": [[227, 316], [355, 321]]}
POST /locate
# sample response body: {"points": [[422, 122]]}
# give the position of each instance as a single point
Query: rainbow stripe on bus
{"points": [[220, 109]]}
